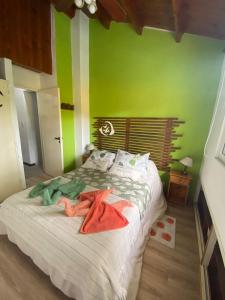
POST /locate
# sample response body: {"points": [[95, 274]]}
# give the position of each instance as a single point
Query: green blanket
{"points": [[52, 191]]}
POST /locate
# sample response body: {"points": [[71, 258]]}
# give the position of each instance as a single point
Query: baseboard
{"points": [[27, 164], [205, 291]]}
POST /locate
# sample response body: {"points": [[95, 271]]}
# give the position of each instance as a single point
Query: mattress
{"points": [[99, 266]]}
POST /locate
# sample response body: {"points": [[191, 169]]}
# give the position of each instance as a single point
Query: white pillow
{"points": [[100, 160], [130, 165]]}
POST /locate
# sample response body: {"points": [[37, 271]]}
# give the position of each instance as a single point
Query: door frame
{"points": [[6, 71], [41, 144]]}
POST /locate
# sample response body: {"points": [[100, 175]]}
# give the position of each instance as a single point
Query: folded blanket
{"points": [[100, 216], [52, 191]]}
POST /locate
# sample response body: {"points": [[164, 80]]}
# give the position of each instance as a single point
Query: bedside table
{"points": [[178, 187], [85, 157]]}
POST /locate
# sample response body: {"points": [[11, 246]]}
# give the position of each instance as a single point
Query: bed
{"points": [[101, 266]]}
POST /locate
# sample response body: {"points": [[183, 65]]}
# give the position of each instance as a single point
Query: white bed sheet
{"points": [[98, 266]]}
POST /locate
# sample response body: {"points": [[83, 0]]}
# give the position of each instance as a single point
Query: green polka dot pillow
{"points": [[100, 160], [134, 166]]}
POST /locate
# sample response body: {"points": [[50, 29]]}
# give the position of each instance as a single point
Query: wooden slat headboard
{"points": [[141, 135]]}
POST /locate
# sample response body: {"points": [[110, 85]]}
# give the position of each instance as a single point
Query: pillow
{"points": [[99, 160], [130, 165]]}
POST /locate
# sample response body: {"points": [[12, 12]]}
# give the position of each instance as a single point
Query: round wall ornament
{"points": [[107, 129]]}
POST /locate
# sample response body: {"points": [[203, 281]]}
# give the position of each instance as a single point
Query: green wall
{"points": [[64, 78], [152, 75]]}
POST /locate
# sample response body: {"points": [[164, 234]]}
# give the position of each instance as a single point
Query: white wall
{"points": [[26, 79], [80, 67], [213, 171], [7, 73], [9, 167]]}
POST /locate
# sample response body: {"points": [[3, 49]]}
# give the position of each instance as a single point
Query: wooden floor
{"points": [[171, 274], [34, 174]]}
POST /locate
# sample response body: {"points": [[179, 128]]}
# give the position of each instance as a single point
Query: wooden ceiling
{"points": [[201, 17], [25, 33]]}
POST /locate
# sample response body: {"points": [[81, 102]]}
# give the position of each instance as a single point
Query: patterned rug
{"points": [[164, 231]]}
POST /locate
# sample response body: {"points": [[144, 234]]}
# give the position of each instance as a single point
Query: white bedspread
{"points": [[85, 267]]}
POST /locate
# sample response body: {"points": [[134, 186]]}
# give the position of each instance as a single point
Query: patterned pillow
{"points": [[130, 165], [99, 160]]}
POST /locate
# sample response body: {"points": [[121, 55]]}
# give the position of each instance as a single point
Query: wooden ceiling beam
{"points": [[181, 17], [103, 16], [177, 20], [71, 11], [68, 7], [114, 9], [130, 7], [201, 17]]}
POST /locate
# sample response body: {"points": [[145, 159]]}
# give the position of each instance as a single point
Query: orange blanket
{"points": [[100, 216]]}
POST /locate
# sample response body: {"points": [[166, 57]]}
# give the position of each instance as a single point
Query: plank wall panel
{"points": [[140, 135], [25, 33]]}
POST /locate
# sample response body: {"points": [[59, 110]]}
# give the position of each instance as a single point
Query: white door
{"points": [[9, 169], [48, 101]]}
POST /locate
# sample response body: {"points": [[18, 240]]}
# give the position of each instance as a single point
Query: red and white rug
{"points": [[164, 231]]}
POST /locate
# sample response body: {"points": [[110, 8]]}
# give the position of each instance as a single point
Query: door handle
{"points": [[58, 139], [1, 105], [1, 93]]}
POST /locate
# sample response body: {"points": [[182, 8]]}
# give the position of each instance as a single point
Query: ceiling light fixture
{"points": [[88, 2], [91, 5], [79, 3]]}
